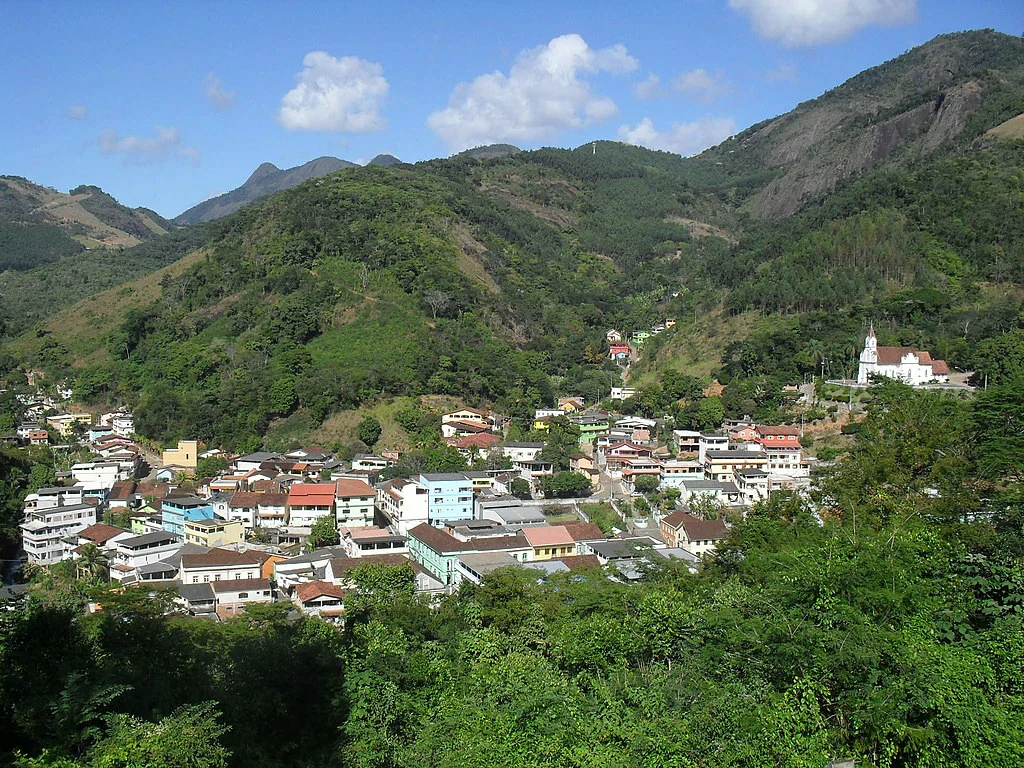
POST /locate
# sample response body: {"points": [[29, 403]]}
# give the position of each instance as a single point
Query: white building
{"points": [[404, 503], [97, 475], [903, 363], [522, 451], [147, 548], [44, 530]]}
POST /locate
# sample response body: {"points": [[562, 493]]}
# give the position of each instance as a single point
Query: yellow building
{"points": [[185, 455], [213, 532]]}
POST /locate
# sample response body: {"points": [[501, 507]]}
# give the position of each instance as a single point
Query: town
{"points": [[290, 526]]}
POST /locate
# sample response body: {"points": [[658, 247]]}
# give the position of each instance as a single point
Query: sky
{"points": [[164, 105]]}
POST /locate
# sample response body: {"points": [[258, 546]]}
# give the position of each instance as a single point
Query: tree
{"points": [[706, 506], [520, 488], [92, 563], [324, 532], [187, 738], [646, 484], [211, 466], [369, 430], [565, 485]]}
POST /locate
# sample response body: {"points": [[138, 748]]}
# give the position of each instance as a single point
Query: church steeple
{"points": [[870, 353]]}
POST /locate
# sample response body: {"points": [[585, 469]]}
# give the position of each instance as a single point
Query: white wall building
{"points": [[44, 530], [903, 363]]}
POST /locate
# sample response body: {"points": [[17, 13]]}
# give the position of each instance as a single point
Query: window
{"points": [[238, 575], [205, 579], [242, 595], [216, 577]]}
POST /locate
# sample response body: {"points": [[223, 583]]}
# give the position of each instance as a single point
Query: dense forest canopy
{"points": [[879, 620]]}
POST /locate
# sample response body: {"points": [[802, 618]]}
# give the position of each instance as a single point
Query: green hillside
{"points": [[495, 278]]}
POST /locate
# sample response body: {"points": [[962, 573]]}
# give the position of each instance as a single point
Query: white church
{"points": [[904, 363]]}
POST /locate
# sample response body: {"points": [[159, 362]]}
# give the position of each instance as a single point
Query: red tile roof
{"points": [[314, 589], [100, 533], [349, 487], [438, 540], [240, 585], [939, 367], [311, 494], [696, 528], [584, 531], [893, 355], [468, 426], [480, 440], [547, 536], [221, 557], [789, 431]]}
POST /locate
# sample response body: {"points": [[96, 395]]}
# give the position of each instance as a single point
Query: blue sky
{"points": [[166, 104]]}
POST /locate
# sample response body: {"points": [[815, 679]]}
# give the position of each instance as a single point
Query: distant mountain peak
{"points": [[264, 181], [385, 159], [265, 169]]}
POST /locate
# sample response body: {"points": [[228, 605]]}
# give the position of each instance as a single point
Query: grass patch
{"points": [[603, 515]]}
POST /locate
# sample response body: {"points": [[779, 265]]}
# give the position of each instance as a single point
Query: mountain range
{"points": [[266, 180], [494, 274]]}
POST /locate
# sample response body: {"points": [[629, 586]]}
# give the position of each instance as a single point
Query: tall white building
{"points": [[903, 363]]}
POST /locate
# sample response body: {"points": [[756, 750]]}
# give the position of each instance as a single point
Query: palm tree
{"points": [[92, 562]]}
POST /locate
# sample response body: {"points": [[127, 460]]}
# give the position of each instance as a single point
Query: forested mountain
{"points": [[495, 277], [264, 181], [39, 225]]}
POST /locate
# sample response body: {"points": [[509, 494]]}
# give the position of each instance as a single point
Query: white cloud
{"points": [[335, 95], [812, 22], [682, 138], [784, 73], [701, 85], [166, 145], [545, 91], [217, 95], [77, 111], [648, 89]]}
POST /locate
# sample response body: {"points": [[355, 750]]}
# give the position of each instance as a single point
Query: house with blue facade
{"points": [[176, 511], [449, 496]]}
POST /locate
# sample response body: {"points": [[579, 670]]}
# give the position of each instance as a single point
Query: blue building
{"points": [[176, 511], [449, 496]]}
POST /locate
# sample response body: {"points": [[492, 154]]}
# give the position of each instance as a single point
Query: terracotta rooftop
{"points": [[239, 585], [584, 531], [696, 528], [220, 557], [548, 535], [314, 589], [350, 487], [100, 533]]}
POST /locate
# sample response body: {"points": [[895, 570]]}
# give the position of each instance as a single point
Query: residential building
{"points": [[214, 532], [175, 511], [353, 503], [253, 461], [363, 462], [622, 393], [308, 502], [133, 552], [711, 441], [123, 424], [753, 485], [320, 598], [449, 496], [358, 542], [722, 465], [45, 529], [631, 469], [233, 595], [724, 492], [451, 429], [616, 455], [437, 550], [220, 565], [549, 542], [403, 503], [97, 475], [522, 451], [185, 455], [675, 472], [468, 415], [696, 535]]}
